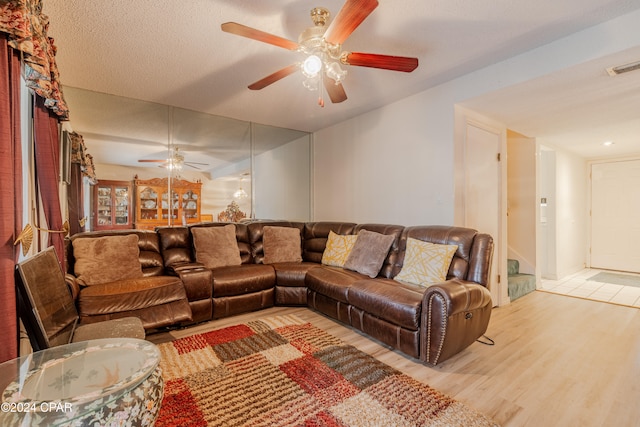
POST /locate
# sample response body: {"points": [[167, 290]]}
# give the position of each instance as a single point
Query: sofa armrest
{"points": [[74, 286], [454, 314], [458, 295], [175, 269], [197, 280]]}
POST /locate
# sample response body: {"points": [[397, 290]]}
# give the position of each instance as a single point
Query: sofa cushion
{"points": [[216, 246], [106, 259], [425, 263], [338, 249], [242, 279], [281, 244], [394, 302], [130, 295], [292, 274], [333, 282], [369, 252]]}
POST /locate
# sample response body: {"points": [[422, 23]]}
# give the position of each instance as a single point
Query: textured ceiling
{"points": [[174, 53]]}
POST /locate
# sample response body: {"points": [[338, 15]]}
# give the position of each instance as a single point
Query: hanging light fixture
{"points": [[240, 193]]}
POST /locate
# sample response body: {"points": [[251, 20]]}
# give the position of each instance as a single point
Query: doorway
{"points": [[615, 204]]}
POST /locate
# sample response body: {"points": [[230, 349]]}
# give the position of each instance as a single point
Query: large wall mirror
{"points": [[265, 170]]}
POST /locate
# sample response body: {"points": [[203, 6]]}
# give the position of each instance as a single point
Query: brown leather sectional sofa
{"points": [[430, 324]]}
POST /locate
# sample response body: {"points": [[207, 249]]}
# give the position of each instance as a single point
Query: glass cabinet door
{"points": [[121, 213], [104, 206], [148, 204], [172, 207], [112, 205], [190, 205]]}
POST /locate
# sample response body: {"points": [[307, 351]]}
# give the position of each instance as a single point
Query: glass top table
{"points": [[74, 383]]}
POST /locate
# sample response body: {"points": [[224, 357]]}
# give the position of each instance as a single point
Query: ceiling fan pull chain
{"points": [[321, 88]]}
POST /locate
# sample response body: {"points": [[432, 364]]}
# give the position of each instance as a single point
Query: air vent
{"points": [[621, 69]]}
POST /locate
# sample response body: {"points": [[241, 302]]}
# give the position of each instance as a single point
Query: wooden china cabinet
{"points": [[154, 209], [112, 205]]}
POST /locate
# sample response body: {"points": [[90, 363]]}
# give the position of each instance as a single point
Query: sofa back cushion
{"points": [[442, 235], [107, 259], [175, 245], [216, 246], [315, 235]]}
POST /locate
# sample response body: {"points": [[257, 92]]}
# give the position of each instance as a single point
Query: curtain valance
{"points": [[79, 155], [27, 27]]}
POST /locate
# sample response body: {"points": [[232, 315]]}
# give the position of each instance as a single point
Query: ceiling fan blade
{"points": [[192, 166], [261, 36], [347, 20], [151, 161], [272, 78], [386, 62], [336, 91], [197, 163]]}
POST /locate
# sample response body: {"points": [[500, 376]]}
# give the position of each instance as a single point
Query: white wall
{"points": [[522, 201], [571, 213], [392, 165], [396, 164], [563, 240], [546, 244], [283, 182]]}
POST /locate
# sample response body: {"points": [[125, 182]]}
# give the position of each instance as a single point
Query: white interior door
{"points": [[482, 192], [615, 209]]}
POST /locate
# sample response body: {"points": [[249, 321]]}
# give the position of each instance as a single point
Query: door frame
{"points": [[464, 118]]}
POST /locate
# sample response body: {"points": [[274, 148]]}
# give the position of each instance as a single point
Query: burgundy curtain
{"points": [[10, 195], [75, 201], [47, 154]]}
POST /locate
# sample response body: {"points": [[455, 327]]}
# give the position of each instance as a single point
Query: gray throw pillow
{"points": [[369, 252]]}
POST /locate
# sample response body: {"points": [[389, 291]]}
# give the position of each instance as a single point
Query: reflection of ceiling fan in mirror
{"points": [[322, 47], [175, 161]]}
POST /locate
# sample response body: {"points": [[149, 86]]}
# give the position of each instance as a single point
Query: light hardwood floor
{"points": [[557, 361]]}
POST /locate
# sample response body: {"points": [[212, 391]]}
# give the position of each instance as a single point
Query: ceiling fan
{"points": [[175, 160], [322, 46]]}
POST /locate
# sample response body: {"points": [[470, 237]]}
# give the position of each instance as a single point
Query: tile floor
{"points": [[577, 285]]}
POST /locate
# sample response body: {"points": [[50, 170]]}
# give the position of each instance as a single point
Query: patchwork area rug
{"points": [[282, 371]]}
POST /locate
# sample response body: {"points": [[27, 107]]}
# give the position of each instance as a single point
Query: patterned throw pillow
{"points": [[338, 249], [425, 263]]}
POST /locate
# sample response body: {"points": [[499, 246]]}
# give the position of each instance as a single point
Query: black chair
{"points": [[48, 310]]}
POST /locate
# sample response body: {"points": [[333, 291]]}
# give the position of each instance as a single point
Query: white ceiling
{"points": [[174, 53]]}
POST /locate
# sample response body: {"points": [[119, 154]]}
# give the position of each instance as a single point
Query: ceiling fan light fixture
{"points": [[312, 65], [322, 46], [173, 164], [176, 160], [311, 83], [335, 72]]}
